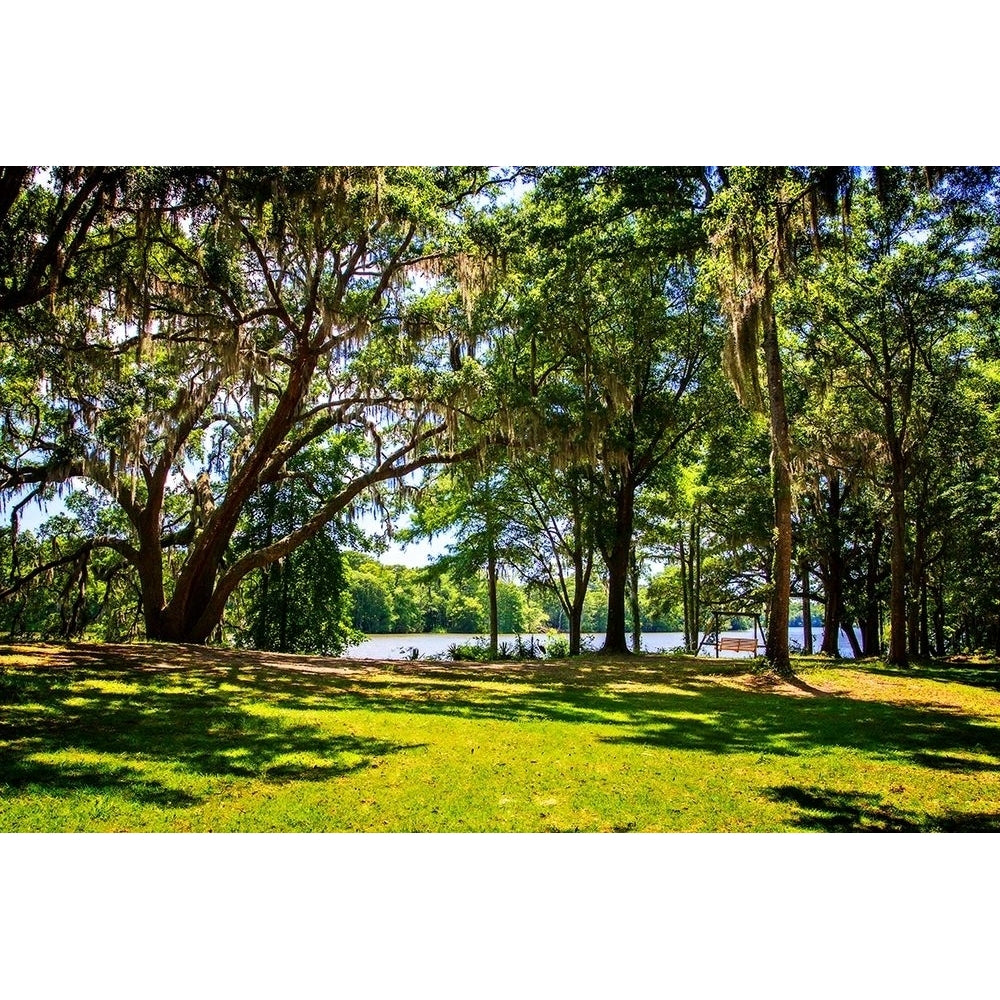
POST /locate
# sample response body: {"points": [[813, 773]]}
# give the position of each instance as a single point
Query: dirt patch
{"points": [[170, 657], [590, 669], [771, 683]]}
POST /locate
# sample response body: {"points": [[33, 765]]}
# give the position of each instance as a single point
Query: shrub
{"points": [[557, 647], [477, 651]]}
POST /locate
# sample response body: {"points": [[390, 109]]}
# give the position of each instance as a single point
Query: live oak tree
{"points": [[46, 219], [223, 327]]}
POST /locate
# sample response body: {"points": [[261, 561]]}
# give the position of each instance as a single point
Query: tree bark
{"points": [[616, 558], [925, 634], [633, 589], [491, 583], [871, 632], [848, 629], [938, 592], [693, 584], [583, 562], [781, 490], [913, 606], [807, 625], [897, 561], [194, 611], [686, 596], [834, 575], [576, 618], [696, 580]]}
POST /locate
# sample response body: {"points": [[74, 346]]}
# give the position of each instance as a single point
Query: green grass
{"points": [[160, 738]]}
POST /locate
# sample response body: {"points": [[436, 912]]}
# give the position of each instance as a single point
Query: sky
{"points": [[413, 554]]}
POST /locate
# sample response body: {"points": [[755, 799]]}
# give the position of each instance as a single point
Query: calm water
{"points": [[395, 647]]}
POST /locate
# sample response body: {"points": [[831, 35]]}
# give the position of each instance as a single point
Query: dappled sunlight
{"points": [[653, 744], [133, 747], [105, 776], [835, 811]]}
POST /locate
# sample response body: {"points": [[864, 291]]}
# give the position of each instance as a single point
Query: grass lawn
{"points": [[171, 738]]}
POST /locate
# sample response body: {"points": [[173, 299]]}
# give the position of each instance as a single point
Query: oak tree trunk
{"points": [[616, 558]]}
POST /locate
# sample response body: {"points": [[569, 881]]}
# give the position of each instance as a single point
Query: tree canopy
{"points": [[673, 390]]}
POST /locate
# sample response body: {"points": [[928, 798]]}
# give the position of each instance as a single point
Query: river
{"points": [[435, 644]]}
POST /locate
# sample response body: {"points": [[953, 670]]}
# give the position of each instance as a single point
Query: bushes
{"points": [[557, 647], [477, 651], [554, 647]]}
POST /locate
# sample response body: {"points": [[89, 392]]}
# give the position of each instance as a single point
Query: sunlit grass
{"points": [[175, 738]]}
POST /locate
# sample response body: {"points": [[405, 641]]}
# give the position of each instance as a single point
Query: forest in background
{"points": [[681, 389]]}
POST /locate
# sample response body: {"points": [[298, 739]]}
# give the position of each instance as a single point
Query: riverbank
{"points": [[436, 644]]}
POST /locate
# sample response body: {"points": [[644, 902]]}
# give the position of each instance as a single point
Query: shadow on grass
{"points": [[72, 778], [724, 721], [193, 711], [688, 712], [69, 730], [971, 674], [830, 811]]}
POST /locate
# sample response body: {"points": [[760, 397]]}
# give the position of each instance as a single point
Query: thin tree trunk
{"points": [[685, 593], [925, 634], [807, 625], [693, 594], [938, 592], [871, 634], [897, 600], [852, 638], [575, 629], [634, 602], [491, 584], [781, 484], [696, 580], [283, 643], [913, 592], [583, 562], [834, 577]]}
